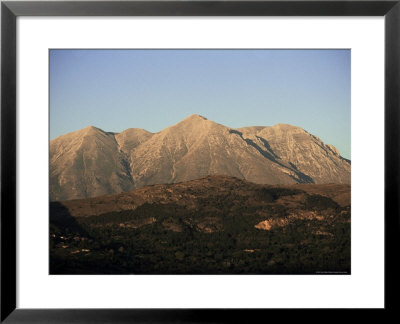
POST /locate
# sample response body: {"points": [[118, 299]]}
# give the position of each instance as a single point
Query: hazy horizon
{"points": [[153, 89]]}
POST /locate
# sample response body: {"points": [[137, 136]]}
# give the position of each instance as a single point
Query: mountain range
{"points": [[91, 162]]}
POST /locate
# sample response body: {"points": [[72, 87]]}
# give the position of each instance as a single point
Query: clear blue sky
{"points": [[153, 89]]}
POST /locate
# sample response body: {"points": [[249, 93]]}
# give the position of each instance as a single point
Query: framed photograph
{"points": [[194, 196], [197, 160]]}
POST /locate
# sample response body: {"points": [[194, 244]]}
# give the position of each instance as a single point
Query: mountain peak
{"points": [[91, 130], [196, 117], [90, 127], [192, 122], [287, 127]]}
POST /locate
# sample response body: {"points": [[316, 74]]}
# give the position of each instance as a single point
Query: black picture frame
{"points": [[10, 10]]}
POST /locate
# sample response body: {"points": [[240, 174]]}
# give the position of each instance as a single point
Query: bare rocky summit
{"points": [[91, 162]]}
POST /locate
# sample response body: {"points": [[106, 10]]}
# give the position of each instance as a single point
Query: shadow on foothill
{"points": [[61, 217]]}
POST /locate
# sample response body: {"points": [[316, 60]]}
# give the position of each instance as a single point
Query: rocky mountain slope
{"points": [[91, 162]]}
